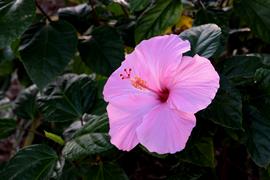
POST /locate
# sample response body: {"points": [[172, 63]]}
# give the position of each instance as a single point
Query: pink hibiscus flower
{"points": [[154, 94]]}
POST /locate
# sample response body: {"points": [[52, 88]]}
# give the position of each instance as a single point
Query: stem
{"points": [[125, 10], [94, 13], [221, 4], [201, 4], [32, 131], [43, 12], [81, 121], [224, 164], [18, 136]]}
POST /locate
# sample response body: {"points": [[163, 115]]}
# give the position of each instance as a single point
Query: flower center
{"points": [[141, 84], [163, 95]]}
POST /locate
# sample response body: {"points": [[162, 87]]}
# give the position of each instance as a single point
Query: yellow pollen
{"points": [[138, 83]]}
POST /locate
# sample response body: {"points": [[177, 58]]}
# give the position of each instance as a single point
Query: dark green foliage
{"points": [[79, 16], [241, 69], [54, 64], [7, 127], [199, 151], [256, 14], [157, 19], [46, 49], [91, 139], [25, 105], [186, 171], [96, 171], [138, 5], [204, 39], [107, 171], [102, 51], [6, 54], [33, 162], [68, 98], [228, 97], [258, 144], [15, 17]]}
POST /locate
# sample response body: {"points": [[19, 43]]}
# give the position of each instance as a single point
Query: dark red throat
{"points": [[163, 95]]}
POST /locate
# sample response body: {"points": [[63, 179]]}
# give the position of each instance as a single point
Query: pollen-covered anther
{"points": [[126, 74], [138, 83]]}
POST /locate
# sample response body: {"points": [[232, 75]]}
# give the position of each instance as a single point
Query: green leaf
{"points": [[258, 144], [96, 171], [77, 66], [218, 17], [105, 171], [6, 54], [91, 139], [103, 51], [54, 137], [157, 19], [204, 39], [6, 57], [32, 162], [265, 174], [241, 69], [265, 58], [199, 151], [46, 49], [25, 104], [138, 5], [95, 123], [85, 145], [260, 96], [187, 171], [70, 171], [226, 108], [256, 14], [106, 2], [79, 16], [185, 176], [68, 97], [116, 9], [15, 17], [6, 68], [99, 104], [7, 127], [262, 78], [5, 107]]}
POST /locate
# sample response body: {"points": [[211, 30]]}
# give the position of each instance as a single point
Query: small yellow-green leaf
{"points": [[54, 137]]}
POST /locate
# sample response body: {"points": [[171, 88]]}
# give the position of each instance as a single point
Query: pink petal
{"points": [[165, 130], [115, 86], [125, 115], [161, 55], [194, 86], [152, 60]]}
